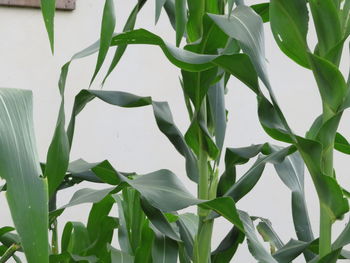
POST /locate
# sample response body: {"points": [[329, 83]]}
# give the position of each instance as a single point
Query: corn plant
{"points": [[214, 41]]}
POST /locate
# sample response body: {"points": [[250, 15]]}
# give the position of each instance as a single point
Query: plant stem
{"points": [[202, 247], [325, 233], [325, 242], [9, 252]]}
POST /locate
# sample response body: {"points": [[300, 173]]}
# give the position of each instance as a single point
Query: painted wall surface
{"points": [[129, 138]]}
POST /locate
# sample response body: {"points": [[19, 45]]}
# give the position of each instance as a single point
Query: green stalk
{"points": [[202, 245], [325, 242]]}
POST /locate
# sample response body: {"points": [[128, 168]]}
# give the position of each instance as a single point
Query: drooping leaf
{"points": [[118, 256], [161, 112], [19, 166], [290, 251], [254, 245], [269, 235]]}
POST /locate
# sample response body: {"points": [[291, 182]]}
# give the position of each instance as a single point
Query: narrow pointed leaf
{"points": [[107, 30], [48, 10]]}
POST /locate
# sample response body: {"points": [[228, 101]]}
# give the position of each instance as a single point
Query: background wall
{"points": [[129, 138]]}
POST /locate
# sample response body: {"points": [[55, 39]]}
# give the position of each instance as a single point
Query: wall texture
{"points": [[129, 138]]}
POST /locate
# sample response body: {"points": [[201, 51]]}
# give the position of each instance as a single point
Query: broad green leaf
{"points": [[19, 166], [163, 190], [84, 196], [129, 25], [289, 24], [228, 246], [328, 27], [107, 30], [181, 19], [48, 10], [66, 257]]}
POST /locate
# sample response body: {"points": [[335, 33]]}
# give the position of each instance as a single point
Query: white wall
{"points": [[129, 138]]}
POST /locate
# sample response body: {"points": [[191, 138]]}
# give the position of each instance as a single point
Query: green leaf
{"points": [[228, 246], [107, 30], [118, 256], [291, 172], [216, 97], [341, 144], [163, 190], [263, 10], [196, 10], [251, 177], [290, 251], [328, 27], [254, 245], [331, 84], [75, 238], [329, 192], [58, 154], [289, 24], [159, 221], [161, 112], [181, 19], [100, 227], [269, 235], [144, 250], [159, 6], [26, 191], [48, 8], [226, 207], [129, 25], [246, 26], [188, 227], [164, 249]]}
